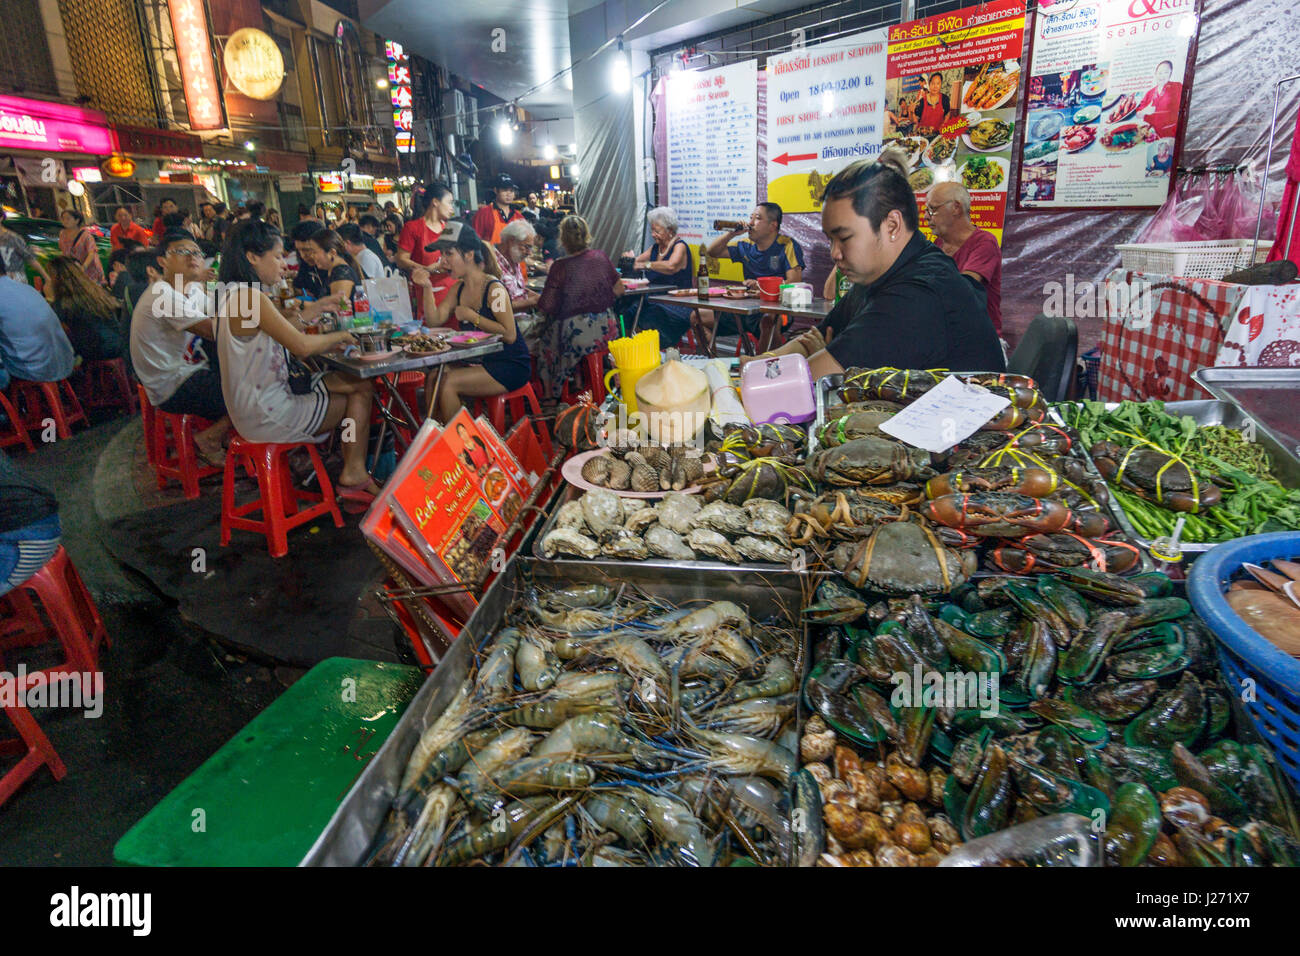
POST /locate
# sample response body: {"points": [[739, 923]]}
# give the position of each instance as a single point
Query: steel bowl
{"points": [[372, 339]]}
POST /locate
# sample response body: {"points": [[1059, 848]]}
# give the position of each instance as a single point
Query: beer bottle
{"points": [[703, 275], [726, 225]]}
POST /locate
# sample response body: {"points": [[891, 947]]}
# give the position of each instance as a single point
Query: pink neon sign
{"points": [[53, 127]]}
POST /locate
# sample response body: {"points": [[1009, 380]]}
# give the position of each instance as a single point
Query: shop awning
{"points": [[53, 128]]}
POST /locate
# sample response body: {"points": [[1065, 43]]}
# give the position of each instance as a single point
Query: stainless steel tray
{"points": [[615, 567], [347, 837], [1208, 412], [1223, 383]]}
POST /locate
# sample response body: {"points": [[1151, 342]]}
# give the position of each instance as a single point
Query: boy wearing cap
{"points": [[492, 217]]}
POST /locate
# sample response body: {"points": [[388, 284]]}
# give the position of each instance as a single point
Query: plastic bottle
{"points": [[361, 307], [1062, 839]]}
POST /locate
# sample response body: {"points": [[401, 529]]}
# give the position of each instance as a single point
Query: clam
{"points": [[643, 478], [676, 511], [721, 517], [596, 470], [667, 544], [761, 549], [603, 512], [620, 474], [568, 541], [711, 544]]}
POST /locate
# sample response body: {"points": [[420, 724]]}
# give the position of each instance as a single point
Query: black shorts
{"points": [[200, 394]]}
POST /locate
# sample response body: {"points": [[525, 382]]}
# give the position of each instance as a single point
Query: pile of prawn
{"points": [[607, 729]]}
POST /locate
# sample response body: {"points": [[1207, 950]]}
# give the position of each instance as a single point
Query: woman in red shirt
{"points": [[932, 107], [1159, 107], [421, 232]]}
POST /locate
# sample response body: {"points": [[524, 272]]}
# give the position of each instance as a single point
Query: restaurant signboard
{"points": [[951, 98], [52, 128], [198, 75], [399, 88], [825, 109], [1105, 102]]}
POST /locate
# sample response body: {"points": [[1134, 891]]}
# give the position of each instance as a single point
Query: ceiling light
{"points": [[573, 171], [548, 151], [249, 145], [620, 76], [505, 135], [381, 83], [555, 172], [76, 188]]}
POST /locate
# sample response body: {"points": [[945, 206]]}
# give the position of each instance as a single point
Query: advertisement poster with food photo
{"points": [[825, 109], [951, 98], [1107, 88]]}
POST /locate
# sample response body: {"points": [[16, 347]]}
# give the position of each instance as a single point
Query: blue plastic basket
{"points": [[1244, 654]]}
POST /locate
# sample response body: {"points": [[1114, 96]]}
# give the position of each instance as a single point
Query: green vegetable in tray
{"points": [[1253, 502]]}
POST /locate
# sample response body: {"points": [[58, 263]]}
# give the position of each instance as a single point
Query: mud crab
{"points": [[890, 384], [1152, 473], [903, 557], [997, 515], [871, 461], [1042, 552]]}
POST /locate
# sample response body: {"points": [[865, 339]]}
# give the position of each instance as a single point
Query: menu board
{"points": [[1104, 103], [825, 109], [712, 147], [951, 95], [445, 508]]}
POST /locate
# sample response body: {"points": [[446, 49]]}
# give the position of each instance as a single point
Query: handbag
{"points": [[300, 376]]}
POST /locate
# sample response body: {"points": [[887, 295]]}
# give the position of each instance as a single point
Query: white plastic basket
{"points": [[1198, 260]]}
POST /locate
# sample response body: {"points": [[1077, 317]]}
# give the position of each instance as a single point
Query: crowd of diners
{"points": [[239, 358]]}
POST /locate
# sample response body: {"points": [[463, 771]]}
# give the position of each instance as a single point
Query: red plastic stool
{"points": [[175, 457], [592, 379], [29, 396], [496, 406], [74, 621], [408, 386], [35, 747], [19, 434], [277, 499], [107, 385]]}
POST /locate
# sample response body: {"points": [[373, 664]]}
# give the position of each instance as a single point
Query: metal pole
{"points": [[1268, 160]]}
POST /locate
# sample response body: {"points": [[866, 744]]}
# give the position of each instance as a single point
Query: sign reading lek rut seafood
{"points": [[1105, 101], [825, 109], [951, 89]]}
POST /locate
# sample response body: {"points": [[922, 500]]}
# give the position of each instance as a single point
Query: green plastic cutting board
{"points": [[264, 797]]}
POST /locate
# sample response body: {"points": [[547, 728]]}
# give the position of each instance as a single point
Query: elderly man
{"points": [[516, 239], [975, 251]]}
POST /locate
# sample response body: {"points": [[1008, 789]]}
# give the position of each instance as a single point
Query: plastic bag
{"points": [[1176, 220]]}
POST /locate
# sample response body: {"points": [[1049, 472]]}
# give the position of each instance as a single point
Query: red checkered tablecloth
{"points": [[1153, 357]]}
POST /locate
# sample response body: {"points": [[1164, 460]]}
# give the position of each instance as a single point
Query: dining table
{"points": [[385, 371]]}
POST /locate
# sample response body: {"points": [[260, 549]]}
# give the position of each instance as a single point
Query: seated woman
{"points": [[254, 342], [89, 313], [75, 240], [328, 254], [577, 300], [668, 261], [478, 300]]}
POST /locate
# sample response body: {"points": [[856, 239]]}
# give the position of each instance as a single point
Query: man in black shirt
{"points": [[308, 280], [370, 236], [909, 306]]}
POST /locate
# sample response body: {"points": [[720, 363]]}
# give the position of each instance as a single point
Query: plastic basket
{"points": [[1195, 260], [1244, 654]]}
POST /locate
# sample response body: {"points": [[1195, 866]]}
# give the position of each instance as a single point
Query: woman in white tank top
{"points": [[254, 342]]}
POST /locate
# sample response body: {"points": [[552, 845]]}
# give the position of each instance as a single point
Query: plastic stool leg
{"points": [[228, 496], [273, 504], [326, 486]]}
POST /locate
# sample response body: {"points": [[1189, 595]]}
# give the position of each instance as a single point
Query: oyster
{"points": [[722, 517], [763, 549], [765, 527], [603, 512], [568, 541], [624, 544], [676, 511], [765, 508], [667, 544], [570, 516], [713, 545], [640, 519]]}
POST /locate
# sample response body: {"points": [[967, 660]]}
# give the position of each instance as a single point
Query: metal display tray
{"points": [[347, 837], [1209, 412], [1221, 382], [614, 566]]}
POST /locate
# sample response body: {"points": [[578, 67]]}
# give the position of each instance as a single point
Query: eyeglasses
{"points": [[188, 253]]}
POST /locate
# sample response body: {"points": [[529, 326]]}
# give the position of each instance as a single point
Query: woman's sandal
{"points": [[357, 498]]}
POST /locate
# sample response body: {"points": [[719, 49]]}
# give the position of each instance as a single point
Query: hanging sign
{"points": [[254, 63], [119, 167], [399, 86], [198, 75]]}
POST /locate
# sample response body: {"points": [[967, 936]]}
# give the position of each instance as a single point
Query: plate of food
{"points": [[1047, 127], [466, 340], [990, 89], [940, 152], [1120, 108], [1117, 139], [1047, 149], [423, 343], [989, 135], [1093, 82], [1078, 138], [984, 173], [592, 470], [921, 180], [1087, 114], [914, 146]]}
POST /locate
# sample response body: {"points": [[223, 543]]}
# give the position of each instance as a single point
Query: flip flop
{"points": [[213, 462], [356, 499]]}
